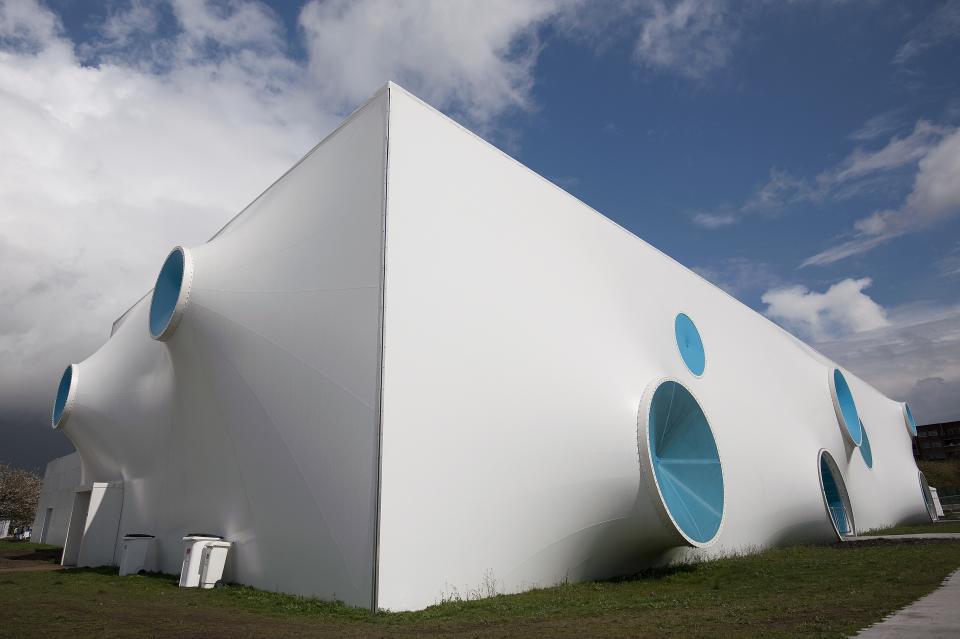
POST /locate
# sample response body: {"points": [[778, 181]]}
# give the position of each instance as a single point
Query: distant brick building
{"points": [[937, 441]]}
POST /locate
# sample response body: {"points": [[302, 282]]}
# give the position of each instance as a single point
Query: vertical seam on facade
{"points": [[378, 453], [116, 537]]}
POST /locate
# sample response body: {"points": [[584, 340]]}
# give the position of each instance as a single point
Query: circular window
{"points": [[66, 397], [679, 457], [909, 420], [928, 498], [835, 496], [845, 408], [171, 293], [690, 344], [865, 451]]}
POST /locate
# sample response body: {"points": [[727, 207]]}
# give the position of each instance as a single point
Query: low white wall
{"points": [[59, 484]]}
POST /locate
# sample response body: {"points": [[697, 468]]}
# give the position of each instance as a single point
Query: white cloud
{"points": [[936, 191], [939, 26], [927, 147], [896, 153], [930, 151], [114, 150], [475, 58], [935, 399], [910, 353], [843, 309], [780, 190], [689, 37], [22, 24], [715, 220], [949, 264], [842, 251], [694, 39], [935, 197], [915, 358], [877, 126], [236, 23], [126, 23]]}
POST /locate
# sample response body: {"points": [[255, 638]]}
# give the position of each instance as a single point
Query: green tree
{"points": [[19, 493]]}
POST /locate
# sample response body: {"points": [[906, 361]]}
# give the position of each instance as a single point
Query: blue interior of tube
{"points": [[686, 463], [851, 420], [62, 392], [831, 490], [166, 293], [865, 451], [690, 344], [911, 423]]}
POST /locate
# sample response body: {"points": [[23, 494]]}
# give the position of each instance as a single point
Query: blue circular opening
{"points": [[690, 344], [848, 408], [166, 293], [865, 451], [686, 463], [833, 492], [911, 422], [63, 393]]}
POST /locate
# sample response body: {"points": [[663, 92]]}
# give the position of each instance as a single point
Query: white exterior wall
{"points": [[99, 541], [60, 481], [521, 330], [257, 420]]}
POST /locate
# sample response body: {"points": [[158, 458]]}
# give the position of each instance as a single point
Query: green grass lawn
{"points": [[20, 554], [916, 529], [943, 475], [805, 591]]}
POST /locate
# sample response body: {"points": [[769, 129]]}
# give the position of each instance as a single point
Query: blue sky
{"points": [[791, 99], [805, 155]]}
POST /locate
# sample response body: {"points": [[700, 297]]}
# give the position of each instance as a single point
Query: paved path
{"points": [[936, 615]]}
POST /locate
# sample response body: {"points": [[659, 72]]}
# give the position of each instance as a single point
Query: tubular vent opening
{"points": [[845, 408], [66, 394], [690, 344], [171, 293], [686, 463], [909, 420], [865, 451], [835, 496]]}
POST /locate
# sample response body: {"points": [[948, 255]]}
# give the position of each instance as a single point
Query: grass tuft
{"points": [[917, 529]]}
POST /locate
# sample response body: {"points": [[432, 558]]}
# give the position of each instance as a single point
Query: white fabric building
{"points": [[413, 365]]}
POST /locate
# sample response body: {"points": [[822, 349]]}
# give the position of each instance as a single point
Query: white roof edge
{"points": [[347, 120], [622, 228], [350, 118]]}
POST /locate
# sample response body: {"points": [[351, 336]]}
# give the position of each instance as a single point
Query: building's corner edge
{"points": [[381, 309]]}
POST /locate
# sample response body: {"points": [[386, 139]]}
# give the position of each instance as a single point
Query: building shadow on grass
{"points": [[50, 555], [658, 572]]}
